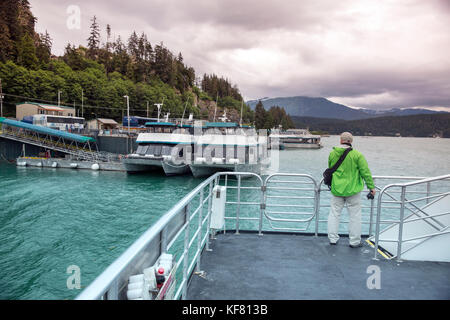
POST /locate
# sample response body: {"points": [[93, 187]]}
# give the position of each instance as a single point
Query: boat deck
{"points": [[294, 267]]}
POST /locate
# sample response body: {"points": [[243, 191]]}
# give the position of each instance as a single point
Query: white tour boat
{"points": [[165, 146], [296, 139]]}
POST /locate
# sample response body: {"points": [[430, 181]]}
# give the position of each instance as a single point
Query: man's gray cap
{"points": [[346, 137]]}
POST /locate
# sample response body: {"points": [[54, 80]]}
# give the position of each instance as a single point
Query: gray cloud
{"points": [[362, 53]]}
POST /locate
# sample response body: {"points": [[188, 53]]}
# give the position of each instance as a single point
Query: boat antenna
{"points": [[215, 110], [159, 105], [242, 104], [184, 112]]}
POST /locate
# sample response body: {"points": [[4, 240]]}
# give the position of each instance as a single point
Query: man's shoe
{"points": [[356, 245]]}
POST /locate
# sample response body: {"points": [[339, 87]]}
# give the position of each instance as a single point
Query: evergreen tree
{"points": [[94, 39], [269, 121], [26, 53], [108, 33], [260, 115], [16, 21], [44, 47]]}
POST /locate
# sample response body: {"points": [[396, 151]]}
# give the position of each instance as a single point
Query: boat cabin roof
{"points": [[160, 124], [221, 125]]}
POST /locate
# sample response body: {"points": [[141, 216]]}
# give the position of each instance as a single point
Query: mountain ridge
{"points": [[319, 107]]}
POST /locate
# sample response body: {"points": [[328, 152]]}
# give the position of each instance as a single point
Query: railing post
{"points": [[371, 216], [186, 252], [113, 291], [208, 229], [317, 213], [238, 209], [428, 191], [377, 225], [163, 247], [400, 226], [262, 206], [199, 236]]}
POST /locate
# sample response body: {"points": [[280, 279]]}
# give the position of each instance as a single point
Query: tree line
{"points": [[422, 125], [101, 72], [272, 118]]}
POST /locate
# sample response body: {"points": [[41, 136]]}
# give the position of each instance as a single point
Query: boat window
{"points": [[218, 151], [158, 149], [240, 153], [252, 156], [142, 149], [247, 154], [166, 150], [151, 149]]}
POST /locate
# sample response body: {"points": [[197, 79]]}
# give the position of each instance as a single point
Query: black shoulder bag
{"points": [[328, 173]]}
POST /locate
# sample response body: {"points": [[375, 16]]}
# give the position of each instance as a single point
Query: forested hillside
{"points": [[103, 71]]}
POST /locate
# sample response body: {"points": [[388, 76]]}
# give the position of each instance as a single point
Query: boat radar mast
{"points": [[224, 117]]}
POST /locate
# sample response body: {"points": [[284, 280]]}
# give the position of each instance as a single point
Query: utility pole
{"points": [[1, 99], [128, 118], [147, 109], [59, 97], [82, 103], [242, 105], [215, 110]]}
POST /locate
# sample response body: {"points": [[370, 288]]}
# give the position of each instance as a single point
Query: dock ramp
{"points": [[80, 147]]}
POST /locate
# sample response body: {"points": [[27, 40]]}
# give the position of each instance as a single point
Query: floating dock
{"points": [[68, 163]]}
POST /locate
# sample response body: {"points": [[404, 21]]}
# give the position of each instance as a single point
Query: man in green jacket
{"points": [[346, 186]]}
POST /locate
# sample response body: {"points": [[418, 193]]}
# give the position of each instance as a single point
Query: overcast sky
{"points": [[372, 54]]}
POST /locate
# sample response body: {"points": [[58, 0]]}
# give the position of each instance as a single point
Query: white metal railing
{"points": [[415, 210], [185, 227], [369, 210]]}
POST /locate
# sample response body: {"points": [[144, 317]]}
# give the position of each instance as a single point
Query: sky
{"points": [[377, 54]]}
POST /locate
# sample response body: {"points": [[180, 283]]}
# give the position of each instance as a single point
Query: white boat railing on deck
{"points": [[430, 219], [178, 222]]}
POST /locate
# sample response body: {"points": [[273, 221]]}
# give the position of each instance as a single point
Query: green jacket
{"points": [[349, 178]]}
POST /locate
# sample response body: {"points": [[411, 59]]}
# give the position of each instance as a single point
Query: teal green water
{"points": [[53, 218]]}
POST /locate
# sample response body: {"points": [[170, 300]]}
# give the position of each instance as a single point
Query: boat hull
{"points": [[300, 146], [141, 164], [171, 169]]}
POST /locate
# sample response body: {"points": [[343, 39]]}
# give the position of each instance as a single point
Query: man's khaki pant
{"points": [[354, 211]]}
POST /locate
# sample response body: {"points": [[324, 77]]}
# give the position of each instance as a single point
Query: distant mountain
{"points": [[311, 107], [301, 106]]}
